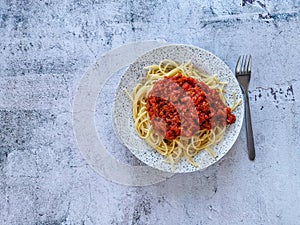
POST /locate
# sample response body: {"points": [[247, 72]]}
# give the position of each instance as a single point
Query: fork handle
{"points": [[249, 132]]}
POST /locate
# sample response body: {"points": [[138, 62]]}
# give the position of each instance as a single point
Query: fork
{"points": [[243, 75]]}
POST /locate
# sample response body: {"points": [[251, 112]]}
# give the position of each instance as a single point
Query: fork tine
{"points": [[249, 65], [238, 66], [244, 70]]}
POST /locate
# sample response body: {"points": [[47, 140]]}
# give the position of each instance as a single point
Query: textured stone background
{"points": [[47, 46]]}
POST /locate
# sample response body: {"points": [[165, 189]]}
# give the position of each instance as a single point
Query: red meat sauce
{"points": [[181, 106]]}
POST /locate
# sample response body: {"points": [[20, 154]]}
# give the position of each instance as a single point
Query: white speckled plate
{"points": [[123, 120]]}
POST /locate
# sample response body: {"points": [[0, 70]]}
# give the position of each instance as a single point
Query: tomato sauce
{"points": [[181, 106]]}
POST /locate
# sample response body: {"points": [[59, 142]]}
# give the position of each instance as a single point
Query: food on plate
{"points": [[179, 110]]}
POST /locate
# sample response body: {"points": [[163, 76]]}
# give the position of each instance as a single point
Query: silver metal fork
{"points": [[243, 75]]}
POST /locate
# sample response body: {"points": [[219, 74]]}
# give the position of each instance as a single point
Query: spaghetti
{"points": [[180, 111]]}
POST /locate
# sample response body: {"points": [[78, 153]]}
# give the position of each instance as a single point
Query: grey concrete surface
{"points": [[46, 47]]}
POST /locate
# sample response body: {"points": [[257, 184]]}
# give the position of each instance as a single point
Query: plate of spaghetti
{"points": [[178, 108]]}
